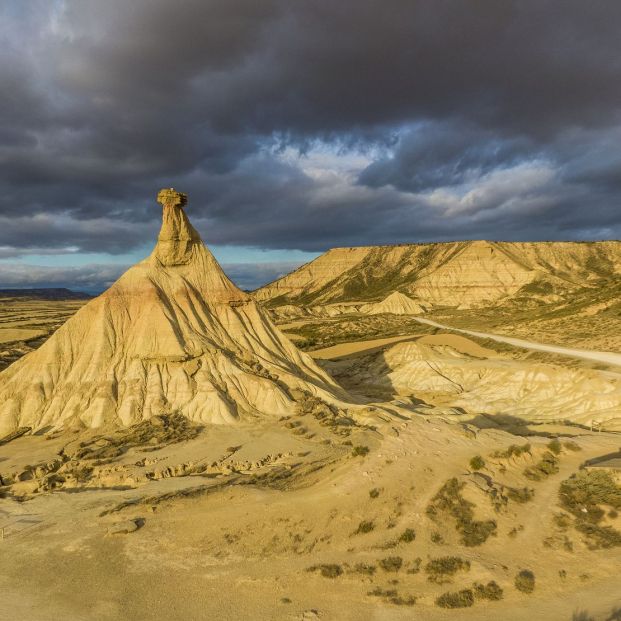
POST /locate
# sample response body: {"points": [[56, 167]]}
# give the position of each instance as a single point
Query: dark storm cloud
{"points": [[476, 119]]}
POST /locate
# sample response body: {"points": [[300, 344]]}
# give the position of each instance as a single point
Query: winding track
{"points": [[606, 357]]}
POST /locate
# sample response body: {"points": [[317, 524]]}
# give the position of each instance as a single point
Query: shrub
{"points": [[449, 500], [512, 451], [587, 490], [520, 495], [360, 451], [600, 536], [364, 527], [407, 536], [391, 563], [544, 468], [459, 599], [415, 568], [490, 591], [442, 569], [374, 493], [328, 571], [555, 446], [525, 581], [410, 600], [477, 462], [378, 592], [364, 568]]}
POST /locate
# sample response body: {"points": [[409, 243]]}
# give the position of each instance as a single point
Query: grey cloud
{"points": [[104, 102], [95, 278]]}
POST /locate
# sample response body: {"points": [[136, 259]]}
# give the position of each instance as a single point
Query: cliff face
{"points": [[457, 274], [173, 334]]}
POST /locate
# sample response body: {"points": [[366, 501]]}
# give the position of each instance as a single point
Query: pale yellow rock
{"points": [[466, 274], [172, 334], [396, 303]]}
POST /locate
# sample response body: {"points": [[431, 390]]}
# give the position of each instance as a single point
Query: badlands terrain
{"points": [[363, 439]]}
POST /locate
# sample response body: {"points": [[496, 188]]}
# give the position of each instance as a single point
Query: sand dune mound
{"points": [[451, 374], [173, 334], [396, 303]]}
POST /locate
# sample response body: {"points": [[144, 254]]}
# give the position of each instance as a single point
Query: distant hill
{"points": [[59, 293], [466, 274]]}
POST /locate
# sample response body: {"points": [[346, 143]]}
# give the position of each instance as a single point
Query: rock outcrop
{"points": [[397, 304], [173, 334], [466, 274]]}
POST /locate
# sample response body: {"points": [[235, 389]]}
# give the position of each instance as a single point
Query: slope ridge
{"points": [[463, 274], [172, 334]]}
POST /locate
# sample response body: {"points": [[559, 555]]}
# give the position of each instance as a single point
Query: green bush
{"points": [[477, 463], [364, 568], [555, 446], [407, 536], [442, 569], [525, 581], [449, 500], [520, 495], [512, 451], [360, 451], [587, 490], [328, 571], [391, 563], [364, 527], [374, 493], [410, 600], [547, 466], [490, 591], [459, 599]]}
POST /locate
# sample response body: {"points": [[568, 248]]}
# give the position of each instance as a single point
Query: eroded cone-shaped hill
{"points": [[172, 334]]}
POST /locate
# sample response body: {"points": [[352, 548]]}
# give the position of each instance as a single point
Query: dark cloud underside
{"points": [[297, 124]]}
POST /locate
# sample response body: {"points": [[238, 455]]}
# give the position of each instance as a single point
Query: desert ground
{"points": [[179, 449], [27, 321]]}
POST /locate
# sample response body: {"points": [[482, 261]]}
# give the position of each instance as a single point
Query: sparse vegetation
{"points": [[449, 500], [525, 581], [391, 563], [555, 446], [360, 451], [366, 526], [374, 493], [582, 496], [437, 538], [365, 569], [458, 599], [513, 450], [441, 570], [477, 463], [545, 467], [407, 536], [415, 566], [490, 591], [520, 495], [331, 570]]}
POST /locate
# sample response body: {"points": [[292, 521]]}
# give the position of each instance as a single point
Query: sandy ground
{"points": [[234, 547], [9, 335], [355, 347]]}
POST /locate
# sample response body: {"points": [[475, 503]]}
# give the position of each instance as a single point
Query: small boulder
{"points": [[125, 527]]}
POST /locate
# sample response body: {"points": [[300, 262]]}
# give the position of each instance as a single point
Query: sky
{"points": [[300, 125]]}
